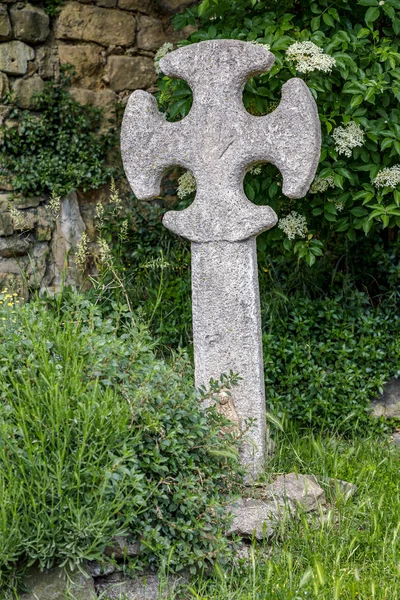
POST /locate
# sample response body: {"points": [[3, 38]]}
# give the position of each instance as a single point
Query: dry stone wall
{"points": [[111, 45]]}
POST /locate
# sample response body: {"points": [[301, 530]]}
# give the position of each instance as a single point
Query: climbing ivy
{"points": [[57, 148]]}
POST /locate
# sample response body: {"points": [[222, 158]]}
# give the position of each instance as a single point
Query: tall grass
{"points": [[350, 551]]}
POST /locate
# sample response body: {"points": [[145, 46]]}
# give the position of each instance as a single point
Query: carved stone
{"points": [[218, 141]]}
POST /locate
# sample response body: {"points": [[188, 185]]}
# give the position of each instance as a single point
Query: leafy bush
{"points": [[326, 360], [98, 438], [357, 102], [57, 149]]}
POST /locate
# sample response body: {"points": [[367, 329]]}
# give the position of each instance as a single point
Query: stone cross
{"points": [[218, 141]]}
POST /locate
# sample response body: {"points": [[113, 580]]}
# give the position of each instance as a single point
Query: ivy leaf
{"points": [[372, 14], [328, 20]]}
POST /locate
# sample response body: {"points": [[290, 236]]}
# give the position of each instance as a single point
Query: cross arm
{"points": [[149, 145], [291, 138]]}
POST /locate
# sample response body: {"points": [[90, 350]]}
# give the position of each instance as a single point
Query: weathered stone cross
{"points": [[218, 140]]}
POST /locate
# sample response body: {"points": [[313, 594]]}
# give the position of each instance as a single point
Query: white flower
{"points": [[255, 170], [339, 205], [161, 52], [266, 46], [381, 3], [309, 57], [348, 137], [54, 205], [105, 255], [388, 177], [186, 184], [321, 184], [293, 224], [82, 252]]}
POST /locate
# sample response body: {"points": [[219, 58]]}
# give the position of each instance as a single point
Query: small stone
{"points": [[14, 57], [5, 25], [150, 33], [14, 245], [388, 405], [6, 225], [48, 62], [106, 3], [86, 60], [147, 586], [122, 548], [172, 6], [344, 488], [68, 233], [253, 517], [136, 5], [25, 91], [82, 95], [13, 266], [88, 23], [54, 584], [130, 72], [30, 23], [296, 490], [105, 99], [27, 201], [4, 86], [96, 569], [396, 438]]}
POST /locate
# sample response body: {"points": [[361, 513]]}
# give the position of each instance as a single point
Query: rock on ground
{"points": [[388, 405], [54, 584], [253, 517], [296, 490], [149, 586]]}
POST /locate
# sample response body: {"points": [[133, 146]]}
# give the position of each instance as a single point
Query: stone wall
{"points": [[111, 44]]}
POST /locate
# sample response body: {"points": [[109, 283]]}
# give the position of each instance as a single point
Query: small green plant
{"points": [[100, 438], [59, 148]]}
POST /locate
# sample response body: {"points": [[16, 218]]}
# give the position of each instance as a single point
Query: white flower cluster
{"points": [[348, 137], [54, 206], [82, 252], [186, 184], [293, 224], [105, 255], [338, 204], [321, 184], [309, 57], [161, 52], [255, 170], [388, 177], [266, 46]]}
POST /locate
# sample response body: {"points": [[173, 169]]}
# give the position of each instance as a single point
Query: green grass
{"points": [[355, 554]]}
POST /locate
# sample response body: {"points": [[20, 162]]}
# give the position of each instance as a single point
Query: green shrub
{"points": [[99, 438], [59, 148], [327, 359], [362, 36]]}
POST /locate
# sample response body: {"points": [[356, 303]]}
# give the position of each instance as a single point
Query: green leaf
{"points": [[386, 143], [368, 2], [203, 7], [372, 14], [359, 211], [328, 20], [315, 23], [330, 208], [385, 220], [356, 101], [310, 259], [363, 32]]}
